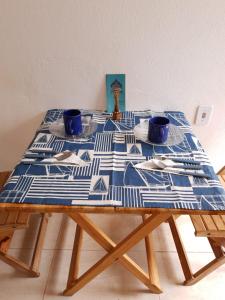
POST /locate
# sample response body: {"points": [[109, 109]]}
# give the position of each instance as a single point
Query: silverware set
{"points": [[177, 165], [39, 156]]}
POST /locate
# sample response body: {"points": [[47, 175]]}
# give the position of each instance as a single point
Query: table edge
{"points": [[34, 208]]}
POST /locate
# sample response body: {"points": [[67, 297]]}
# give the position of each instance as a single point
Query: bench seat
{"points": [[10, 221]]}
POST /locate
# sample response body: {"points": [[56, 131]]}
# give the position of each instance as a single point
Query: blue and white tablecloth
{"points": [[109, 178]]}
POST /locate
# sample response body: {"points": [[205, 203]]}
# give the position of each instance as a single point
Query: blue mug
{"points": [[72, 121], [158, 129]]}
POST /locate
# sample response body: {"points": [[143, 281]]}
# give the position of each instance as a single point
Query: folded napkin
{"points": [[71, 159]]}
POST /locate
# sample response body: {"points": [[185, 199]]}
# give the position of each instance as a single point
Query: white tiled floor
{"points": [[115, 283]]}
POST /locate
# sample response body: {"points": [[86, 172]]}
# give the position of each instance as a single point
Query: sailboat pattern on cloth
{"points": [[99, 184], [134, 149], [85, 156], [109, 177]]}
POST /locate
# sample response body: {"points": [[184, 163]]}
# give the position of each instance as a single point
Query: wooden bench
{"points": [[10, 221], [209, 225], [213, 228]]}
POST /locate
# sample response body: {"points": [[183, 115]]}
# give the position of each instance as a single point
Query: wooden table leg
{"points": [[35, 263], [74, 264], [180, 249], [100, 237], [118, 251], [152, 266]]}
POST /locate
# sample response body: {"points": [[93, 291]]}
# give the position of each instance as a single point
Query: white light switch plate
{"points": [[203, 115]]}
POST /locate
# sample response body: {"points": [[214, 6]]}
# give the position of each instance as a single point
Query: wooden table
{"points": [[111, 185]]}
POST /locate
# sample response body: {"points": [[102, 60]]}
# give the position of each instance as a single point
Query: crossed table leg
{"points": [[115, 252]]}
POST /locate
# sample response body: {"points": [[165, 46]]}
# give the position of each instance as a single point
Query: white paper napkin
{"points": [[73, 159]]}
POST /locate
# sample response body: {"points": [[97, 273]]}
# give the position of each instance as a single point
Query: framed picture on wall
{"points": [[115, 81]]}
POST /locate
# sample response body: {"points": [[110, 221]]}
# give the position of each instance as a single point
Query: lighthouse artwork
{"points": [[115, 90]]}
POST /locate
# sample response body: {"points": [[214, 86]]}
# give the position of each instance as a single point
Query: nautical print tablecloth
{"points": [[109, 177]]}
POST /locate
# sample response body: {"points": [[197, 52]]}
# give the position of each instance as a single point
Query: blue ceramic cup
{"points": [[158, 129], [72, 121]]}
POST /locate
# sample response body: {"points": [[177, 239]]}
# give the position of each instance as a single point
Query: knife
{"points": [[36, 155], [187, 173], [179, 159], [188, 167], [43, 151], [183, 160]]}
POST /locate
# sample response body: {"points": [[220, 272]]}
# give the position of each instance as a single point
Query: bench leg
{"points": [[6, 240], [190, 277], [207, 269], [33, 269]]}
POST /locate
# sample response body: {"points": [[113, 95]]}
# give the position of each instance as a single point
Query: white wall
{"points": [[55, 53]]}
